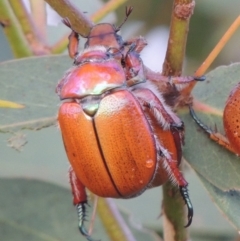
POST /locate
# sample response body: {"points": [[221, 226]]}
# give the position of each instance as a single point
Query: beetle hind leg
{"points": [[177, 178], [80, 201], [214, 135], [169, 137], [185, 196], [81, 211]]}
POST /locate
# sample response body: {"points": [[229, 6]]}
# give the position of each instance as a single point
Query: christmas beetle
{"points": [[120, 136], [231, 120]]}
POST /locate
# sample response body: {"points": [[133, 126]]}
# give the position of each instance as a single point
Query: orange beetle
{"points": [[231, 123], [120, 136]]}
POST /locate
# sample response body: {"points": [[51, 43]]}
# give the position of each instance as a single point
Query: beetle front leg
{"points": [[157, 78], [73, 40], [136, 44], [132, 62], [80, 201]]}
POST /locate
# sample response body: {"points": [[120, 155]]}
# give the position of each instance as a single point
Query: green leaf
{"points": [[213, 162], [227, 201], [17, 141], [31, 82], [33, 210], [40, 211], [218, 167]]}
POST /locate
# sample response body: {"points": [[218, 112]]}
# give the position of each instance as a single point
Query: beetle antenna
{"points": [[128, 12]]}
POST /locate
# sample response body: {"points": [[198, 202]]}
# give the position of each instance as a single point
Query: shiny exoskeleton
{"points": [[120, 136], [231, 123]]}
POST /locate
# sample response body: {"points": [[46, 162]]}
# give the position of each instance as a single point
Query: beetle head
{"points": [[106, 34]]}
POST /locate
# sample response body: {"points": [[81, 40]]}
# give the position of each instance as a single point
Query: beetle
{"points": [[231, 120], [120, 136]]}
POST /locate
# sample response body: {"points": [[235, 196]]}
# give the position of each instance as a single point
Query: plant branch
{"points": [[79, 22], [112, 220], [173, 205], [39, 16], [182, 11], [110, 6], [13, 31], [212, 56], [30, 32], [218, 48], [174, 215]]}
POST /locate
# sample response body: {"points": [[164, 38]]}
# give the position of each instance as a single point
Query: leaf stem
{"points": [[112, 220], [214, 53], [222, 42]]}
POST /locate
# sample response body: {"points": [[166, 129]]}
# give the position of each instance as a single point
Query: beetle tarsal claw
{"points": [[179, 127], [185, 196], [81, 210], [200, 78]]}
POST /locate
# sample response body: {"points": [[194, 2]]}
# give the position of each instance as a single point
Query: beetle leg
{"points": [[178, 80], [73, 40], [184, 79], [176, 176], [215, 136], [4, 23], [171, 166], [132, 62], [80, 201], [162, 112], [73, 44], [185, 196], [136, 44], [133, 67], [165, 116]]}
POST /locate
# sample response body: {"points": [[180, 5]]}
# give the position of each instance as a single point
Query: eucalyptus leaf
{"points": [[35, 210], [31, 82], [218, 168], [227, 201]]}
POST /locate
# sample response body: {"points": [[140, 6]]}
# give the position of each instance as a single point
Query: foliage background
{"points": [[43, 157]]}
